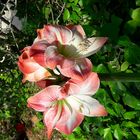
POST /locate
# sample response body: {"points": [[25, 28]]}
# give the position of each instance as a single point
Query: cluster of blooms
{"points": [[57, 62]]}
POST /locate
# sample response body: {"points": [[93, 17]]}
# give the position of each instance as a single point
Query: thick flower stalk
{"points": [[56, 61]]}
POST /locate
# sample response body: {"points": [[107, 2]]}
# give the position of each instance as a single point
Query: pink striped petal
{"points": [[37, 51], [54, 34], [88, 86], [26, 63], [44, 99], [46, 55], [78, 35], [77, 29], [53, 58], [69, 120], [77, 69], [86, 105], [63, 118], [51, 116], [37, 75]]}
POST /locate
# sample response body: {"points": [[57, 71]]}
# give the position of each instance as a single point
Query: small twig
{"points": [[51, 12], [13, 34], [58, 3], [61, 11], [14, 38]]}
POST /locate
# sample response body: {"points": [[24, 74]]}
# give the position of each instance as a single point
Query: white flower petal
{"points": [[91, 46], [86, 105]]}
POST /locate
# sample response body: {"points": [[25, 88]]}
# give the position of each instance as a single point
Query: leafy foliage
{"points": [[119, 20]]}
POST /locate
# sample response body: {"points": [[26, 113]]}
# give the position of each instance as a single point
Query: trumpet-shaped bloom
{"points": [[59, 47], [30, 68], [70, 40], [66, 49], [64, 106]]}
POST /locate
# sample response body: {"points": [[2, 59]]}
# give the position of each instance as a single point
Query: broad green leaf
{"points": [[76, 1], [124, 41], [101, 131], [66, 15], [129, 115], [118, 132], [131, 101], [124, 66], [132, 50], [129, 124], [121, 86], [108, 134], [75, 8], [101, 69], [115, 90], [111, 111], [74, 17], [132, 54], [130, 26], [81, 3], [46, 11], [136, 15], [103, 97], [136, 132], [118, 109]]}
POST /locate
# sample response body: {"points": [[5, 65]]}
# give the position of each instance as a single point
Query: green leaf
{"points": [[132, 54], [118, 132], [131, 101], [101, 69], [124, 66], [114, 90], [118, 108], [66, 15], [76, 1], [74, 17], [46, 11], [136, 15], [136, 132], [111, 111], [81, 3], [108, 134], [129, 115], [132, 50], [129, 124], [124, 41]]}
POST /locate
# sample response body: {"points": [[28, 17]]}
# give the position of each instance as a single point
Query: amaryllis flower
{"points": [[64, 106], [30, 68], [66, 48], [71, 40]]}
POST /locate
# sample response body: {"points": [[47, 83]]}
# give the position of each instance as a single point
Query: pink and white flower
{"points": [[70, 40], [58, 54], [30, 68], [66, 48], [64, 106]]}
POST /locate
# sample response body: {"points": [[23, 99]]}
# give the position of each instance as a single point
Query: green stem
{"points": [[122, 77]]}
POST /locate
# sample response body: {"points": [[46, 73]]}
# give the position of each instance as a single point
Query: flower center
{"points": [[68, 51]]}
